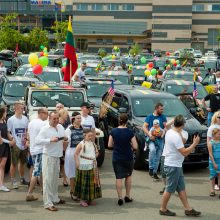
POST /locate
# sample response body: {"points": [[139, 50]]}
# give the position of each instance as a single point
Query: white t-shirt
{"points": [[18, 128], [173, 142], [88, 122], [211, 128], [52, 149], [3, 71], [80, 73], [33, 129]]}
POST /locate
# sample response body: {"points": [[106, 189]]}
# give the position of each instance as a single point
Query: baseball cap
{"points": [[85, 104], [156, 122]]}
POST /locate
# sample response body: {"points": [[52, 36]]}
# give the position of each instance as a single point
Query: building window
{"points": [[130, 41], [82, 7], [22, 6], [215, 7], [69, 7], [97, 7], [108, 41], [128, 7], [198, 8], [99, 41], [113, 7]]}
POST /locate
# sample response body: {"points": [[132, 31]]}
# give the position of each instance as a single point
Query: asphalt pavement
{"points": [[145, 193]]}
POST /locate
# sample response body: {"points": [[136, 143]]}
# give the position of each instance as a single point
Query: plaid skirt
{"points": [[85, 188]]}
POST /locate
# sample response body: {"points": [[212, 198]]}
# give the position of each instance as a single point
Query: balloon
{"points": [[43, 61], [37, 69], [167, 53], [130, 67], [45, 54], [153, 72], [63, 69], [151, 64], [175, 64], [147, 66], [147, 72], [173, 61], [76, 56], [41, 54], [64, 64], [143, 60], [113, 56], [33, 59], [45, 49], [41, 47], [168, 67], [177, 61]]}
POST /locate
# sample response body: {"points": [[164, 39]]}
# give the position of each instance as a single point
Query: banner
{"points": [[41, 2]]}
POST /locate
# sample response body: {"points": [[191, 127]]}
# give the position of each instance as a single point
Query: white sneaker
{"points": [[14, 184], [4, 189], [216, 187]]}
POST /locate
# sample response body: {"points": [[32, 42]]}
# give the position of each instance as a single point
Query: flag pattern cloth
{"points": [[57, 6], [111, 90], [70, 54], [195, 91]]}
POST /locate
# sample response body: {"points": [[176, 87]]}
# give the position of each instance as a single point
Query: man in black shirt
{"points": [[214, 99]]}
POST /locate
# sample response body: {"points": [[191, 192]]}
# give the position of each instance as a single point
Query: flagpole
{"points": [[70, 70]]}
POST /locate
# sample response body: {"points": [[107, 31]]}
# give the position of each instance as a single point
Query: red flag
{"points": [[16, 51], [70, 54]]}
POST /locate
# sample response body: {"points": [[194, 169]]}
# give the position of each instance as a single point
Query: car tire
{"points": [[138, 159], [101, 157]]}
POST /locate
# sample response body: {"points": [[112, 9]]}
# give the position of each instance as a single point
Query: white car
{"points": [[197, 54]]}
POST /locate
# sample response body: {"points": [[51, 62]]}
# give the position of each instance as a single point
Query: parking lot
{"points": [[145, 193]]}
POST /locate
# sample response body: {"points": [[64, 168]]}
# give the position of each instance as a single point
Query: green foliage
{"points": [[60, 29], [102, 52], [186, 54], [38, 37], [135, 49]]}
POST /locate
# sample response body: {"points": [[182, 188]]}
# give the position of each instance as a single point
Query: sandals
{"points": [[74, 198], [84, 204], [52, 209], [212, 194]]}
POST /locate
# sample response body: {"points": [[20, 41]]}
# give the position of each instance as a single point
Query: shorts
{"points": [[174, 179], [4, 150], [37, 161], [123, 168], [18, 155]]}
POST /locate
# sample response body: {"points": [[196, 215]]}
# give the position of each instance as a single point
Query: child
{"points": [[157, 132], [214, 159], [87, 181]]}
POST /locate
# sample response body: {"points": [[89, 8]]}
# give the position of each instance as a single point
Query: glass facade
{"points": [[198, 7], [97, 7], [82, 7], [113, 7], [128, 7], [215, 7]]}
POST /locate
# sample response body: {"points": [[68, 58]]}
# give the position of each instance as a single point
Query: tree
{"points": [[38, 37], [60, 29], [102, 52], [135, 49]]}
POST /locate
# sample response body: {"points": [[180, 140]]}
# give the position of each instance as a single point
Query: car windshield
{"points": [[176, 89], [15, 89], [7, 63], [109, 62], [145, 106], [97, 90], [188, 77], [46, 76], [138, 72], [51, 98], [123, 79], [21, 70], [24, 59], [90, 71]]}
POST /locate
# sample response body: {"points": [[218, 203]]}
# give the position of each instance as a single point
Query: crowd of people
{"points": [[56, 144]]}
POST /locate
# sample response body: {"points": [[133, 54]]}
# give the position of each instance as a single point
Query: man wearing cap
{"points": [[88, 121], [155, 152], [79, 75]]}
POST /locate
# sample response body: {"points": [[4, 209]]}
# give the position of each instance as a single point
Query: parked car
{"points": [[157, 53], [139, 102], [197, 54], [138, 77]]}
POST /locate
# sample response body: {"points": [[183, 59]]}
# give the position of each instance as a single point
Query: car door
{"points": [[2, 83]]}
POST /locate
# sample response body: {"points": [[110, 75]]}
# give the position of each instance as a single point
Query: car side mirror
{"points": [[122, 110]]}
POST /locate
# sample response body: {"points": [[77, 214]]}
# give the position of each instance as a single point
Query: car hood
{"points": [[192, 125], [11, 100]]}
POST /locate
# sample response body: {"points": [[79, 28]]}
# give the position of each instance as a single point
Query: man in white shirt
{"points": [[174, 152], [79, 75], [17, 126], [36, 150], [51, 136]]}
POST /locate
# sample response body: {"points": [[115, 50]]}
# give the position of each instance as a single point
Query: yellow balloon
{"points": [[33, 59], [173, 61], [45, 54], [113, 57], [147, 72], [76, 56]]}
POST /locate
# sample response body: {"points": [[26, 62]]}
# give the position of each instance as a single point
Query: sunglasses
{"points": [[218, 117]]}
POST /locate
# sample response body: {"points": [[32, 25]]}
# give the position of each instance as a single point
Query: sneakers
{"points": [[24, 182], [155, 177], [151, 172], [14, 184], [192, 213], [4, 189], [30, 198], [216, 187], [167, 213]]}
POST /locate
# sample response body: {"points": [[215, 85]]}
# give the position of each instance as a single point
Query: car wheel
{"points": [[100, 159], [138, 159], [105, 138]]}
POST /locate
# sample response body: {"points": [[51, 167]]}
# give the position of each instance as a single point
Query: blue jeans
{"points": [[155, 152], [209, 119]]}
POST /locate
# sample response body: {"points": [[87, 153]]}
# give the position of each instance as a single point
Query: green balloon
{"points": [[43, 61], [177, 61], [42, 47], [64, 64], [143, 60], [153, 72]]}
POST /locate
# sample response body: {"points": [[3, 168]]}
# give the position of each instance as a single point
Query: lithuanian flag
{"points": [[70, 54]]}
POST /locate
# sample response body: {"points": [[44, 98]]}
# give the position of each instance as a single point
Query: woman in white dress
{"points": [[75, 136]]}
